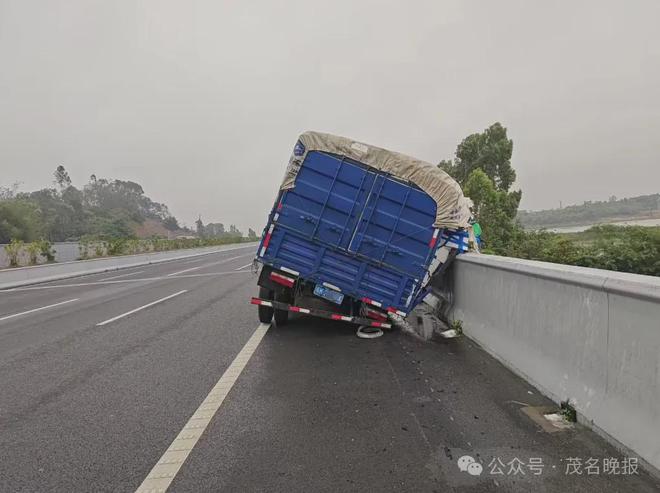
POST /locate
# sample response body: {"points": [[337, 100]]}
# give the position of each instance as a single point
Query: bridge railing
{"points": [[585, 335]]}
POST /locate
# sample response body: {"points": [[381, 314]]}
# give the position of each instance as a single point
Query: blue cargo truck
{"points": [[357, 233]]}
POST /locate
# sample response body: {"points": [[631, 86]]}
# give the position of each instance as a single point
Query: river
{"points": [[631, 222]]}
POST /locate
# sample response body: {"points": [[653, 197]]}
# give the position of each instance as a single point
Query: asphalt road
{"points": [[96, 387]]}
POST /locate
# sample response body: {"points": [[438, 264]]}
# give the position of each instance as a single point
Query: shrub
{"points": [[13, 250], [46, 250], [33, 250]]}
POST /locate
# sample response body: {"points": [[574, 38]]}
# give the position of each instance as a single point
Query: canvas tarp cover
{"points": [[453, 208]]}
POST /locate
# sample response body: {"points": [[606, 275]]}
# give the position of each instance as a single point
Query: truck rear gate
{"points": [[367, 235]]}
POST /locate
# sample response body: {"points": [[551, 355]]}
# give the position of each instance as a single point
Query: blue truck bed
{"points": [[354, 229]]}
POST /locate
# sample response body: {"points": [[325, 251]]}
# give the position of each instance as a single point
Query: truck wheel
{"points": [[265, 312], [282, 316]]}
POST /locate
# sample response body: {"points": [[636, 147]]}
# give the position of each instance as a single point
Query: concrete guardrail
{"points": [[587, 335], [21, 276]]}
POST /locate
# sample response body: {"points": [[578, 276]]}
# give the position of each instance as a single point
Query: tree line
{"points": [[482, 166], [63, 212], [102, 209]]}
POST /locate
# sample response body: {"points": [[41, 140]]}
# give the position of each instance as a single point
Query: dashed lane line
{"points": [[141, 308], [167, 467], [7, 317], [205, 265]]}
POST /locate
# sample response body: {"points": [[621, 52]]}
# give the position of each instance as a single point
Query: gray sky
{"points": [[201, 101]]}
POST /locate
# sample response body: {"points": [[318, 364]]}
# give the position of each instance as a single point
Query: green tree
{"points": [[171, 223], [19, 219], [483, 168], [62, 178], [489, 151]]}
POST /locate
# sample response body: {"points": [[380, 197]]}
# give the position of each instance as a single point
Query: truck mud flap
{"points": [[320, 313]]}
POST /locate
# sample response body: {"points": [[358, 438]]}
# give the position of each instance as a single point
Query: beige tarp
{"points": [[453, 208]]}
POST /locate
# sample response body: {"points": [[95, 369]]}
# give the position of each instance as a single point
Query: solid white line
{"points": [[167, 467], [7, 317], [248, 265], [205, 265], [141, 308], [122, 275]]}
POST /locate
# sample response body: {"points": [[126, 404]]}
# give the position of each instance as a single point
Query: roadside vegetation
{"points": [[102, 208], [91, 247], [482, 165], [106, 217]]}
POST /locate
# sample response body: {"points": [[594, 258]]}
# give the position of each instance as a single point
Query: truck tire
{"points": [[265, 312], [282, 316]]}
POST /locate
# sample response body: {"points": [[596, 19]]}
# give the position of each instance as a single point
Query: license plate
{"points": [[328, 294]]}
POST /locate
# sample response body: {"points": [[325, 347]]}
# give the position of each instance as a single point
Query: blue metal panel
{"points": [[329, 194], [350, 226], [396, 227], [354, 276]]}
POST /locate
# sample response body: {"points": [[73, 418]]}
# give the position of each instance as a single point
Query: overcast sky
{"points": [[201, 101]]}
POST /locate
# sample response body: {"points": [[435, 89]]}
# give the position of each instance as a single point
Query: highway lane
{"points": [[99, 300], [81, 404], [85, 407], [24, 297], [319, 410]]}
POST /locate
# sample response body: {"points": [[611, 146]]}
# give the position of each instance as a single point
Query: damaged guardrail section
{"points": [[588, 335]]}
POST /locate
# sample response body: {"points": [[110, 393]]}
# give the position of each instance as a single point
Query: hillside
{"points": [[641, 207]]}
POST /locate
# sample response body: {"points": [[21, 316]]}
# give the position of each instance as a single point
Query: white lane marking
{"points": [[7, 317], [141, 308], [163, 473], [142, 279], [248, 265], [205, 265], [122, 275]]}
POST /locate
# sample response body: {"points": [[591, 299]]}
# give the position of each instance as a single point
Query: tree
{"points": [[7, 193], [214, 230], [200, 227], [483, 168], [62, 179], [251, 234], [20, 220], [171, 223], [494, 209], [61, 213], [489, 151]]}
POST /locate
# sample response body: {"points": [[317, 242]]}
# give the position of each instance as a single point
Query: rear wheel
{"points": [[265, 312], [282, 316]]}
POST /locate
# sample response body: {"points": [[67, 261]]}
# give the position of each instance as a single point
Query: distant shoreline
{"points": [[649, 220]]}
